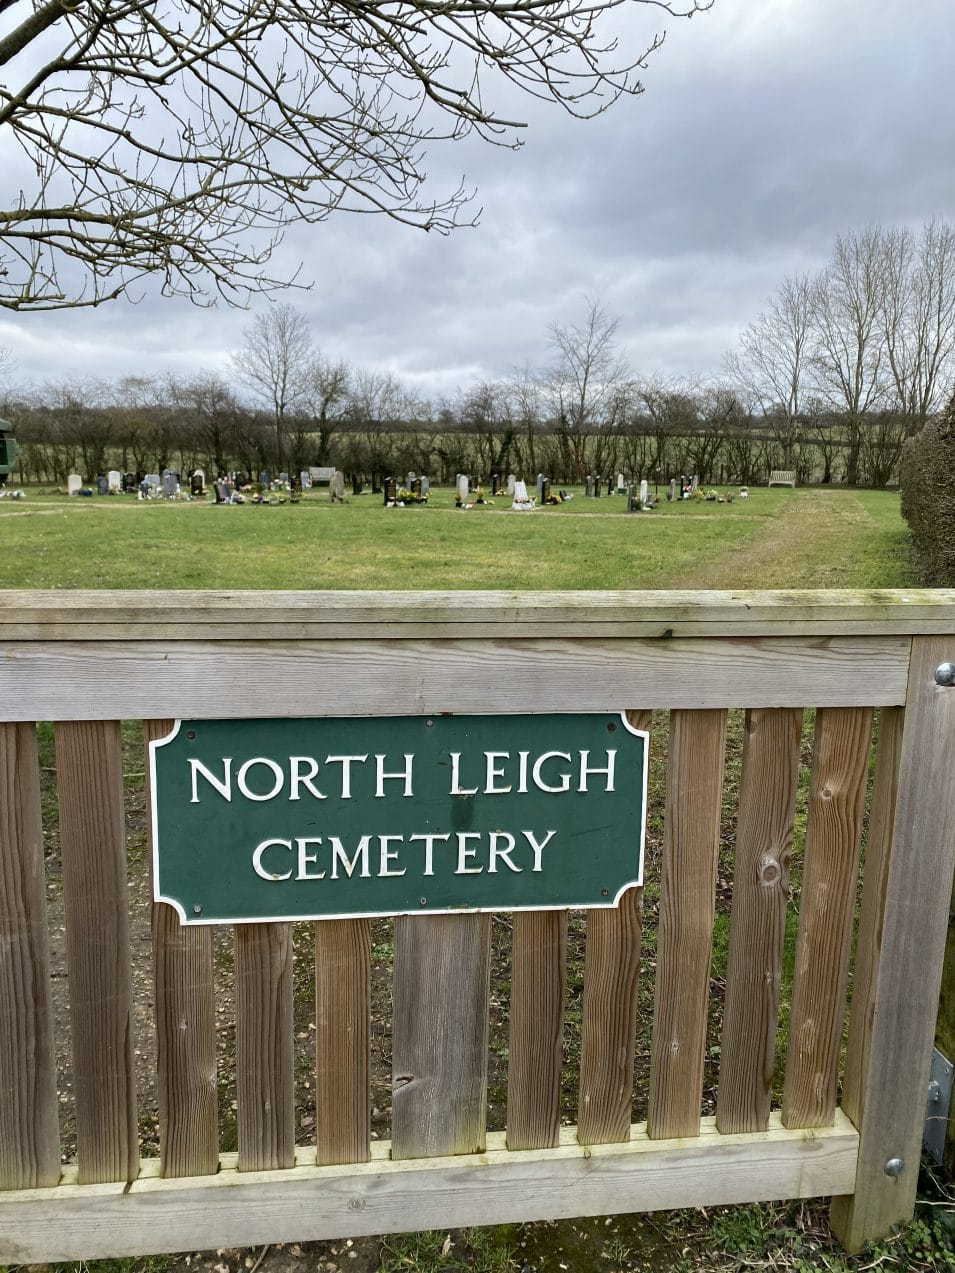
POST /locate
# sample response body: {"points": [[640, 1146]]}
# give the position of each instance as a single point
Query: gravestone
{"points": [[621, 485], [356, 484], [152, 479], [610, 485], [545, 490], [588, 486], [495, 483], [631, 502], [283, 477], [102, 485], [74, 484], [170, 484], [265, 477], [644, 493], [540, 486], [463, 485], [197, 482], [115, 481], [671, 494], [522, 501], [694, 484], [511, 480], [129, 483], [409, 481], [425, 486], [391, 491], [306, 479], [336, 487], [596, 486]]}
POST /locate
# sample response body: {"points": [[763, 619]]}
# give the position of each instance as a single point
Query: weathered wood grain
{"points": [[29, 1137], [826, 904], [687, 904], [903, 1003], [258, 615], [439, 1066], [185, 1032], [878, 853], [535, 1051], [608, 1035], [93, 851], [764, 834], [531, 675], [310, 1203], [265, 1053], [342, 1042]]}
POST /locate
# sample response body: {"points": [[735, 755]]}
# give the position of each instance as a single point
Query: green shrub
{"points": [[928, 497]]}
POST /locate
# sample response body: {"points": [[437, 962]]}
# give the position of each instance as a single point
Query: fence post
{"points": [[898, 1014]]}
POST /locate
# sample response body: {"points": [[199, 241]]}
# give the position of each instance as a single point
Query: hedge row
{"points": [[927, 480]]}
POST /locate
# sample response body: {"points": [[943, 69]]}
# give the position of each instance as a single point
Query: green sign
{"points": [[305, 819]]}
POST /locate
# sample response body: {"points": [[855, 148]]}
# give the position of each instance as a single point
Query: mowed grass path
{"points": [[778, 539]]}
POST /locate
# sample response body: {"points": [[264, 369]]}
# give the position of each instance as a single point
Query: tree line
{"points": [[828, 382]]}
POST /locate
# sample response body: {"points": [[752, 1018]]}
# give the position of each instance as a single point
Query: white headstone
{"points": [[306, 479], [336, 487], [425, 485], [621, 484], [152, 479], [695, 483], [463, 487], [522, 501], [644, 492], [511, 482], [74, 484], [170, 487], [114, 480]]}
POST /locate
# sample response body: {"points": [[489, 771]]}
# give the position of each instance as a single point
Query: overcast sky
{"points": [[767, 128]]}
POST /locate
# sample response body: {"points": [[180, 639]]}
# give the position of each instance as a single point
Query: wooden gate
{"points": [[87, 661]]}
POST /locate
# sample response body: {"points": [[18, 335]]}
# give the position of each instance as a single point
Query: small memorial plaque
{"points": [[257, 820]]}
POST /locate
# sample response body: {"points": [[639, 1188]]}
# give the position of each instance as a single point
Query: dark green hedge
{"points": [[928, 497]]}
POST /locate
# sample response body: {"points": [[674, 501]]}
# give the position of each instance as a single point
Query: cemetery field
{"points": [[778, 538]]}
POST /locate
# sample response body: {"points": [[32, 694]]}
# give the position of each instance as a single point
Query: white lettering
{"points": [[387, 855], [297, 778], [224, 787], [348, 865], [522, 773], [308, 859], [536, 848], [429, 838], [564, 778], [456, 788], [402, 775], [465, 854], [276, 773], [504, 854], [346, 764], [586, 770], [257, 860], [492, 771]]}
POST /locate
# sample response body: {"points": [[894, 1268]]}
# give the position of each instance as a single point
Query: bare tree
{"points": [[918, 317], [773, 362], [274, 363], [848, 348], [326, 394], [584, 381], [157, 132]]}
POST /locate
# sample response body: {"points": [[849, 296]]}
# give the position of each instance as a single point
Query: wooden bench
{"points": [[782, 477]]}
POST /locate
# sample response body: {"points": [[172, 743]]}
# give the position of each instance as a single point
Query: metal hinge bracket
{"points": [[937, 1106]]}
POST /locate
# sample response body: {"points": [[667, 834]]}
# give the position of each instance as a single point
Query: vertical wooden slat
{"points": [[442, 969], [764, 833], [878, 852], [687, 905], [29, 1137], [608, 1036], [535, 1052], [826, 905], [93, 847], [900, 1008], [185, 1034], [265, 1059], [342, 1025]]}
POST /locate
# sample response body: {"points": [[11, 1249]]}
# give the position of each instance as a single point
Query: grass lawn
{"points": [[777, 539]]}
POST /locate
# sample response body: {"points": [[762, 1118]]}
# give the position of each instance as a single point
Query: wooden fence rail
{"points": [[87, 661]]}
